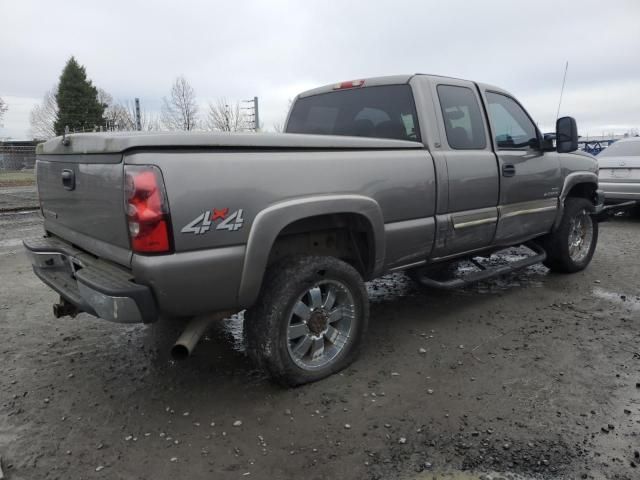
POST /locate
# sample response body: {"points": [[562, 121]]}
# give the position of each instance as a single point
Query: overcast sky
{"points": [[276, 48]]}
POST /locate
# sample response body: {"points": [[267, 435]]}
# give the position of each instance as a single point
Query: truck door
{"points": [[469, 222], [530, 181]]}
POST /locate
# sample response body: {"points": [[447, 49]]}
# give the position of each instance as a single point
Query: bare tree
{"points": [[121, 117], [43, 117], [3, 109], [104, 97], [180, 110], [224, 116], [150, 123], [115, 117]]}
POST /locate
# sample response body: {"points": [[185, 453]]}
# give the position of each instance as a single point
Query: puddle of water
{"points": [[629, 301], [233, 328], [391, 287]]}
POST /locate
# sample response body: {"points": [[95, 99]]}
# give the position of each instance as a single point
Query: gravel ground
{"points": [[531, 376]]}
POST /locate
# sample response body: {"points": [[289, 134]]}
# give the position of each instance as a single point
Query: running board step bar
{"points": [[485, 274]]}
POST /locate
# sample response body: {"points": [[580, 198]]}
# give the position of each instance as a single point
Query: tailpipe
{"points": [[192, 334]]}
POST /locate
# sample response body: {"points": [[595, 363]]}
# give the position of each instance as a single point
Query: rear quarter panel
{"points": [[402, 182], [207, 270]]}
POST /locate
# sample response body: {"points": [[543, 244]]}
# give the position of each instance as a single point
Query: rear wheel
{"points": [[571, 246], [309, 320]]}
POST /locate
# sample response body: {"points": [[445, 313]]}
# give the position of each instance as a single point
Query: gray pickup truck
{"points": [[407, 172]]}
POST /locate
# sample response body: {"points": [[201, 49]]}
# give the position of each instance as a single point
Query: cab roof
{"points": [[389, 80]]}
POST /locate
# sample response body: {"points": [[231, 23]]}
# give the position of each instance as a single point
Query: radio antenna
{"points": [[564, 79]]}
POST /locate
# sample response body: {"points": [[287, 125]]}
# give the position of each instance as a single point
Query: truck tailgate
{"points": [[83, 202]]}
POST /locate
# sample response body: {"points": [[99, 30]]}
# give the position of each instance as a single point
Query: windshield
{"points": [[622, 149], [384, 112]]}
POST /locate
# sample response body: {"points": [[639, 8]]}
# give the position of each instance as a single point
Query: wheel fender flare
{"points": [[269, 222], [571, 181]]}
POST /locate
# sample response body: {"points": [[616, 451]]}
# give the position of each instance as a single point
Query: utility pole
{"points": [[255, 115], [138, 121]]}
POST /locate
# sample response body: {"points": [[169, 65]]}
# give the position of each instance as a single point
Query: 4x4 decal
{"points": [[206, 221]]}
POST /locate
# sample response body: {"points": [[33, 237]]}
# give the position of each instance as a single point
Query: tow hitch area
{"points": [[65, 309]]}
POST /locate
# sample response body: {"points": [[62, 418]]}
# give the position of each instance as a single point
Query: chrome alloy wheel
{"points": [[580, 236], [320, 324]]}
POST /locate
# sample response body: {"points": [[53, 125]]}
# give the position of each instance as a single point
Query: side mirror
{"points": [[566, 135], [544, 143]]}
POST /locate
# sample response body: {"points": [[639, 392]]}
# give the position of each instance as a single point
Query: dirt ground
{"points": [[532, 376]]}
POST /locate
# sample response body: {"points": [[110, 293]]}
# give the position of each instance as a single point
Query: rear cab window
{"points": [[462, 118], [386, 111]]}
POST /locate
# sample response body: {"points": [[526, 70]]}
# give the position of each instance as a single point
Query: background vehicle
{"points": [[619, 171], [289, 226]]}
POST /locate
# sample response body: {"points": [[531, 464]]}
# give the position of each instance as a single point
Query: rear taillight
{"points": [[147, 209]]}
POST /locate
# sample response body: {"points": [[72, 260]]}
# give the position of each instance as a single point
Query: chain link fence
{"points": [[17, 175], [15, 156]]}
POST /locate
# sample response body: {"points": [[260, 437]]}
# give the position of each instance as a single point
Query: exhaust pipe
{"points": [[196, 327]]}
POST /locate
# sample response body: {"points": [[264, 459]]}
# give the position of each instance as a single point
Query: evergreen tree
{"points": [[77, 99]]}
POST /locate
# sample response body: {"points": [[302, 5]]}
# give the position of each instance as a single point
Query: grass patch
{"points": [[22, 178]]}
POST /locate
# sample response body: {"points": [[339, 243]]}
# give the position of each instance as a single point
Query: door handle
{"points": [[68, 179], [508, 170]]}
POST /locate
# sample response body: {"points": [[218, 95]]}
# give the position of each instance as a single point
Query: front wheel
{"points": [[309, 320], [571, 246]]}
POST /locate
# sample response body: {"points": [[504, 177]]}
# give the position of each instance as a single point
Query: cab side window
{"points": [[512, 127], [462, 118]]}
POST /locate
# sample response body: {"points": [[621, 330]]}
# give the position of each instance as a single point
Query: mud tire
{"points": [[266, 323], [556, 244]]}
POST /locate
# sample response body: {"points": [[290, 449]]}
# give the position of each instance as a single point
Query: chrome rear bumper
{"points": [[91, 285]]}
